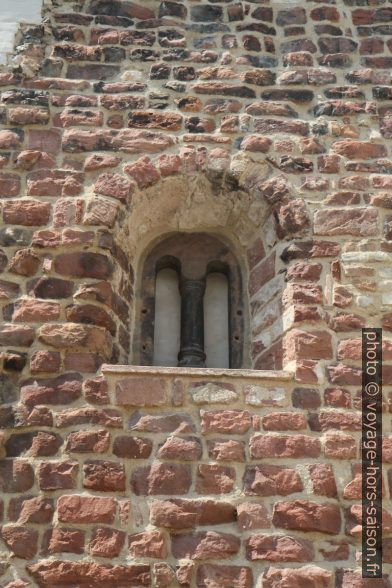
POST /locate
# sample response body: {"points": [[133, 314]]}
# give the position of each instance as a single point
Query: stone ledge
{"points": [[275, 375]]}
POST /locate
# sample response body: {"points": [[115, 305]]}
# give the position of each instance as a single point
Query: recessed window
{"points": [[192, 307]]}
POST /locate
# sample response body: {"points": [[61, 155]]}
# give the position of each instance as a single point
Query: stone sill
{"points": [[121, 370]]}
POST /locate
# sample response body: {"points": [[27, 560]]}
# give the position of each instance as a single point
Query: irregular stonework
{"points": [[267, 124]]}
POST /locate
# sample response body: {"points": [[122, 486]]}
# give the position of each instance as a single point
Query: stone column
{"points": [[191, 352]]}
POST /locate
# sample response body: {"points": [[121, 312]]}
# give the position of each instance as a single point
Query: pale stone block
{"points": [[212, 394]]}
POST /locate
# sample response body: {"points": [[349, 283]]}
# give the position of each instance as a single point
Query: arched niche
{"points": [[204, 267]]}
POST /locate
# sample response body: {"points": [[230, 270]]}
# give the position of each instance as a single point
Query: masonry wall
{"points": [[267, 124]]}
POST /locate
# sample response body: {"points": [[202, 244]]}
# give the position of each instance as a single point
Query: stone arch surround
{"points": [[268, 124], [226, 198]]}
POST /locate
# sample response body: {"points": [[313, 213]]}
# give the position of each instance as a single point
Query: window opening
{"points": [[192, 304]]}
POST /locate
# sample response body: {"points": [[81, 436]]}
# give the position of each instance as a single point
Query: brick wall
{"points": [[267, 124]]}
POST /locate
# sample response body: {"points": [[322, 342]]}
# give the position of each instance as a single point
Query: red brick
{"points": [[268, 446], [269, 480], [21, 115], [166, 423], [141, 392], [253, 516], [168, 165], [179, 448], [275, 126], [82, 362], [9, 139], [143, 172], [342, 322], [18, 335], [107, 417], [24, 263], [33, 444], [178, 513], [45, 361], [346, 578], [9, 185], [279, 548], [358, 222], [106, 542], [370, 47], [35, 311], [147, 544], [387, 449], [387, 550], [95, 162], [100, 211], [353, 490], [225, 421], [45, 140], [230, 450], [164, 574], [293, 216], [63, 540], [46, 182], [141, 141], [155, 120], [215, 479], [161, 478], [132, 447], [21, 541], [306, 398], [284, 421], [323, 480], [59, 390], [57, 475], [337, 397], [325, 13], [90, 314], [49, 572], [336, 551], [340, 446], [122, 102], [8, 290], [205, 545], [344, 421], [88, 442], [261, 274], [303, 294], [218, 576], [310, 576], [26, 212], [86, 509], [96, 390], [255, 143], [50, 288], [115, 186], [328, 164], [307, 345], [63, 336], [31, 510], [83, 265], [359, 149], [304, 515], [104, 476]]}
